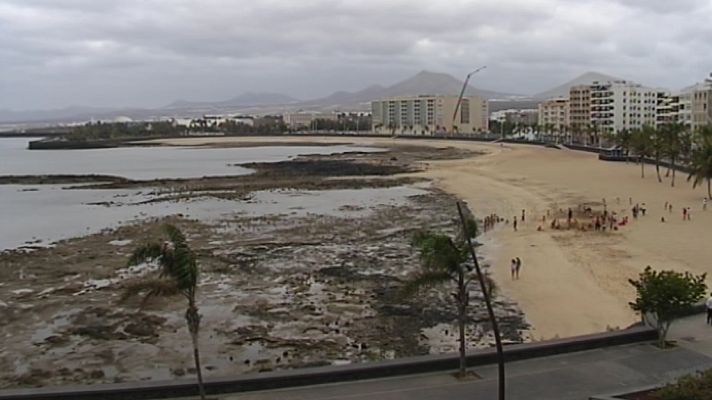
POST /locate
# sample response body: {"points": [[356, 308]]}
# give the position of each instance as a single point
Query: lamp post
{"points": [[462, 92]]}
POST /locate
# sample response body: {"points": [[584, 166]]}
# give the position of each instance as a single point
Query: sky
{"points": [[148, 53]]}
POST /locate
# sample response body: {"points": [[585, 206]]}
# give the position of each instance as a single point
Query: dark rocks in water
{"points": [[325, 168]]}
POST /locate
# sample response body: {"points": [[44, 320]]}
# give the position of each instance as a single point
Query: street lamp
{"points": [[462, 92]]}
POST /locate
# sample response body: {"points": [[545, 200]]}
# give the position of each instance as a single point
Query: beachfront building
{"points": [[525, 117], [554, 116], [701, 104], [302, 119], [674, 107], [427, 115], [579, 112], [617, 105]]}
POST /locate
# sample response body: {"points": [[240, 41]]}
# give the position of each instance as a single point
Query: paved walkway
{"points": [[574, 376]]}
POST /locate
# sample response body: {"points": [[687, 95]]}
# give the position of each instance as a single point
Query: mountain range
{"points": [[424, 82]]}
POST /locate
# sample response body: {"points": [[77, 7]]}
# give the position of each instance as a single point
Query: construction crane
{"points": [[462, 92]]}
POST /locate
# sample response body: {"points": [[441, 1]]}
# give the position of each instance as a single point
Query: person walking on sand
{"points": [[523, 215], [704, 204], [519, 266], [515, 223], [684, 213], [708, 303], [513, 268]]}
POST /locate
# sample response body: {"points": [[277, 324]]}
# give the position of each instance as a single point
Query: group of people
{"points": [[490, 221]]}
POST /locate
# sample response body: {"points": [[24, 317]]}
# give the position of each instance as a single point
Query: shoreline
{"points": [[572, 282]]}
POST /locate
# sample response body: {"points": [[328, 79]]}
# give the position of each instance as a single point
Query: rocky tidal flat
{"points": [[281, 290]]}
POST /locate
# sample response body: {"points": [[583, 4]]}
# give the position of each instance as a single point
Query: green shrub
{"points": [[696, 386]]}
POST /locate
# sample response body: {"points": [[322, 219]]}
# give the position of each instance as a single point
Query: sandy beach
{"points": [[572, 282]]}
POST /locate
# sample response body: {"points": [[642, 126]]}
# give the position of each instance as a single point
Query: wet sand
{"points": [[571, 282]]}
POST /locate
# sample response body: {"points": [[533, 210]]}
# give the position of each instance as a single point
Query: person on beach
{"points": [[522, 215], [519, 266], [515, 223], [704, 204], [670, 208], [684, 213], [708, 303], [513, 268], [570, 216]]}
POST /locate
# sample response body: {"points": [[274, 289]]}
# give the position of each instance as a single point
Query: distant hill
{"points": [[563, 89], [424, 82], [244, 100]]}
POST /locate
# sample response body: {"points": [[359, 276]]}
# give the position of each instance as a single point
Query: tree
{"points": [[444, 260], [657, 145], [701, 160], [177, 275], [665, 295], [641, 144], [624, 139], [675, 139]]}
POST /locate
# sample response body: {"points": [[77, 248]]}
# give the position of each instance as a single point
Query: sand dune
{"points": [[571, 282]]}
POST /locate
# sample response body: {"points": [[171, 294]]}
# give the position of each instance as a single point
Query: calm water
{"points": [[149, 162], [41, 214]]}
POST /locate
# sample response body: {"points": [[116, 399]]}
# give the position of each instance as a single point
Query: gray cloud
{"points": [[149, 52]]}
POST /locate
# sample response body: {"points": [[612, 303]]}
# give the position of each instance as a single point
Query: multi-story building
{"points": [[579, 107], [701, 104], [617, 105], [554, 115], [426, 115], [528, 117], [674, 107]]}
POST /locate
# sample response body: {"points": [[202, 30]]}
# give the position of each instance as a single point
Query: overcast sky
{"points": [[56, 53]]}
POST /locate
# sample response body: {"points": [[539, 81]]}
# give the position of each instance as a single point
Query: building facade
{"points": [[618, 105], [701, 104], [674, 107], [579, 107], [427, 115], [554, 115]]}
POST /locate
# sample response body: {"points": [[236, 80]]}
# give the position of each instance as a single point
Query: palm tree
{"points": [[443, 261], [701, 160], [657, 145], [178, 274], [675, 139], [641, 144]]}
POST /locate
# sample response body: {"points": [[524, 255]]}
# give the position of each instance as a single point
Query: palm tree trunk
{"points": [[672, 166], [657, 167], [490, 311], [193, 319], [462, 316], [709, 189], [642, 167]]}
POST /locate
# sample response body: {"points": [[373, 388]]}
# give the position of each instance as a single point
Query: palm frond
{"points": [[147, 252], [438, 252], [423, 280], [148, 288]]}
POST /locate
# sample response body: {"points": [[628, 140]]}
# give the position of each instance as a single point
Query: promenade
{"points": [[574, 376]]}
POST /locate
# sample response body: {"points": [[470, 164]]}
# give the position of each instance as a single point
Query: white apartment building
{"points": [[674, 107], [617, 105], [426, 115], [529, 117], [554, 115], [701, 104]]}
